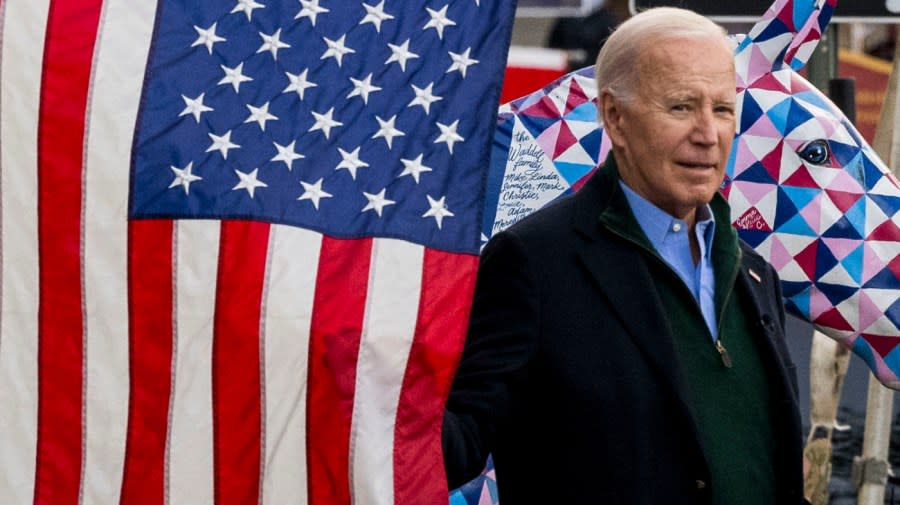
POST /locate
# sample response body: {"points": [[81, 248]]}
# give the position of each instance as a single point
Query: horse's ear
{"points": [[786, 35]]}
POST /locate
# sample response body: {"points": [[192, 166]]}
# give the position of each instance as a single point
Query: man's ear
{"points": [[610, 113]]}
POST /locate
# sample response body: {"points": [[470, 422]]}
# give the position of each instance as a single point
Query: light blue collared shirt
{"points": [[669, 237]]}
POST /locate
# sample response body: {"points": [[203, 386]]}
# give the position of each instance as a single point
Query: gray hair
{"points": [[616, 68]]}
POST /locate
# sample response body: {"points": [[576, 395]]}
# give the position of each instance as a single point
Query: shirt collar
{"points": [[657, 223]]}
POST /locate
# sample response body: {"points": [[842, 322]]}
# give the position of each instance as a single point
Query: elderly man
{"points": [[625, 347]]}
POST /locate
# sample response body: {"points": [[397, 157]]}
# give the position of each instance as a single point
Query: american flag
{"points": [[238, 244]]}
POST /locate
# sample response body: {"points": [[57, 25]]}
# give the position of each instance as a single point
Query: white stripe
{"points": [[291, 285], [388, 329], [123, 42], [24, 25], [538, 58], [190, 443]]}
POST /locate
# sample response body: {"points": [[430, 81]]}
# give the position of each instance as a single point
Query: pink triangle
{"points": [[754, 191], [841, 247], [743, 159], [759, 65], [846, 183], [818, 304], [779, 256], [547, 138], [868, 311], [872, 264], [812, 213], [770, 82], [763, 127], [576, 97], [485, 498], [564, 140]]}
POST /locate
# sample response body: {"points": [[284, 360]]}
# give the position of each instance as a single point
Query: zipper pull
{"points": [[726, 360]]}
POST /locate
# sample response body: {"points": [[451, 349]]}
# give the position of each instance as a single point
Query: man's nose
{"points": [[704, 131]]}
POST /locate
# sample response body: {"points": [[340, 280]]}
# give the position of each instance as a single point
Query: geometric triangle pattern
{"points": [[805, 189], [479, 491]]}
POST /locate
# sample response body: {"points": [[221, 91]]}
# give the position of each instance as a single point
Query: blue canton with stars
{"points": [[352, 118]]}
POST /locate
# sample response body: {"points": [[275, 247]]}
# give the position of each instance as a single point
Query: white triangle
{"points": [[581, 129], [808, 130], [793, 273], [784, 77], [790, 163], [766, 99], [841, 135], [822, 175], [575, 154], [738, 202], [882, 326], [839, 335], [882, 298], [560, 96], [588, 85], [885, 250], [828, 211], [767, 206], [760, 146], [875, 217], [772, 47], [849, 309], [839, 275], [887, 185], [794, 244]]}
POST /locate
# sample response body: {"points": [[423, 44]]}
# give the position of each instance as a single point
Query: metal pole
{"points": [[871, 469]]}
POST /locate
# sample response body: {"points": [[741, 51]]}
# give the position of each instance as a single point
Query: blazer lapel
{"points": [[625, 288]]}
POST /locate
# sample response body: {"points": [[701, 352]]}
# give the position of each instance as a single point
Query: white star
{"points": [[377, 202], [362, 88], [235, 76], [336, 49], [222, 144], [207, 37], [194, 106], [299, 83], [351, 162], [272, 43], [387, 131], [184, 177], [448, 135], [325, 122], [248, 181], [260, 115], [438, 21], [424, 97], [287, 154], [313, 192], [438, 210], [400, 54], [247, 6], [413, 168], [310, 10], [461, 61], [375, 15]]}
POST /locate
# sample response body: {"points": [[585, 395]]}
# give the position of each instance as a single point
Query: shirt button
{"points": [[701, 484], [676, 227]]}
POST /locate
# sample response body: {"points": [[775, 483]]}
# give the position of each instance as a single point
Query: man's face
{"points": [[672, 142]]}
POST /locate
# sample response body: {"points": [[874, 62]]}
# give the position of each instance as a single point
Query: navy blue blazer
{"points": [[570, 376]]}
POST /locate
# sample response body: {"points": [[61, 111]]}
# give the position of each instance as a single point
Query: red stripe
{"points": [[236, 369], [337, 318], [448, 281], [68, 50], [150, 316]]}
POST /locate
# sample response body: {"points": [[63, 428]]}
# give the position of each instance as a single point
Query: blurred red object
{"points": [[531, 68]]}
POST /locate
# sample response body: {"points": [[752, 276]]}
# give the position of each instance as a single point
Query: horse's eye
{"points": [[816, 152]]}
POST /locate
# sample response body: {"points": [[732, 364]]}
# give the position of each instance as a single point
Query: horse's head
{"points": [[805, 189]]}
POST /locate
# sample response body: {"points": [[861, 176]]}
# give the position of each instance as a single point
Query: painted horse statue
{"points": [[805, 189]]}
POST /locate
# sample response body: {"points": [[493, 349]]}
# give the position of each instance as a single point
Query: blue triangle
{"points": [[591, 144], [843, 228], [892, 360], [836, 293], [853, 263], [856, 215], [779, 115], [586, 112], [825, 261], [785, 208], [750, 112], [799, 304], [888, 204], [885, 279], [814, 98], [754, 237], [844, 154], [537, 125], [571, 172], [797, 115], [797, 226], [893, 313], [791, 289], [802, 12], [873, 174], [775, 28], [800, 196], [862, 349], [756, 173]]}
